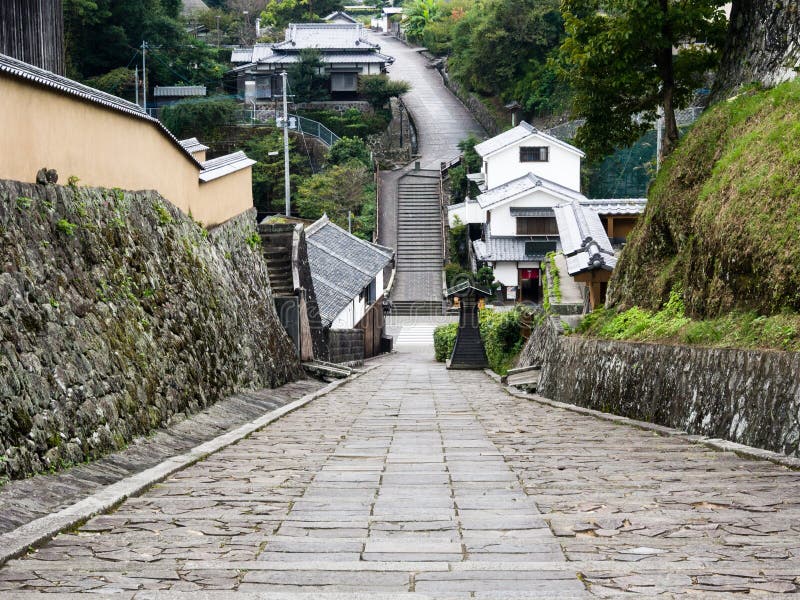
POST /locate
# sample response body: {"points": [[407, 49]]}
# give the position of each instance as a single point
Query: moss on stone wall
{"points": [[722, 223], [118, 313]]}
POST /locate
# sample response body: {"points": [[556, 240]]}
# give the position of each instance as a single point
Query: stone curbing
{"points": [[19, 541], [742, 450]]}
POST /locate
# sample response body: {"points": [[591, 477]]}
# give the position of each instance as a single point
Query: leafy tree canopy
{"points": [[279, 13], [201, 118], [306, 81], [619, 59], [104, 35], [348, 149], [378, 89]]}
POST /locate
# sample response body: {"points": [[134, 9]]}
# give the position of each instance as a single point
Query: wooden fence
{"points": [[33, 31], [372, 324]]}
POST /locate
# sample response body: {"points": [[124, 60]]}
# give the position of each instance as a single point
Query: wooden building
{"points": [[33, 31]]}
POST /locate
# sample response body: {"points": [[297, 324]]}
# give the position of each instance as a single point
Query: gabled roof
{"points": [[224, 165], [525, 184], [468, 288], [179, 91], [342, 265], [67, 87], [516, 135], [583, 239], [330, 58], [193, 145], [325, 36], [190, 6], [249, 54], [616, 206], [340, 15]]}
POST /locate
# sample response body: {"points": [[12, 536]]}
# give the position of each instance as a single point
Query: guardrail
{"points": [[303, 124]]}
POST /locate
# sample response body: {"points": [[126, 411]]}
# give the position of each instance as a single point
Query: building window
{"points": [[534, 154], [344, 82], [537, 226]]}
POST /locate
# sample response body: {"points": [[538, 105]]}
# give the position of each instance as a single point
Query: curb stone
{"points": [[720, 445], [19, 541]]}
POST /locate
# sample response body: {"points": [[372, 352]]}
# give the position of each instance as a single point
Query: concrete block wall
{"points": [[346, 345]]}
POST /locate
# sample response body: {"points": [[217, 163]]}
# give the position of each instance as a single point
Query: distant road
{"points": [[441, 120]]}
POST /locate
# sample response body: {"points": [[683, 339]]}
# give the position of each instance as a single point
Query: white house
{"points": [[347, 273], [343, 50], [531, 204]]}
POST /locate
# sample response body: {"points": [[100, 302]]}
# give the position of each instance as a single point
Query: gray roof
{"points": [[179, 91], [192, 145], [330, 58], [616, 206], [342, 265], [531, 212], [517, 134], [509, 247], [340, 15], [583, 239], [526, 183], [56, 83], [251, 53], [224, 165], [190, 6], [325, 36]]}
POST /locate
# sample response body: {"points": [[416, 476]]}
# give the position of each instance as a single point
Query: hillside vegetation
{"points": [[722, 226]]}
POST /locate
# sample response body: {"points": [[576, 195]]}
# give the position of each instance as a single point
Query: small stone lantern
{"points": [[468, 352]]}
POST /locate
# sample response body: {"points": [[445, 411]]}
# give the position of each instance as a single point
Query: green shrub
{"points": [[454, 274], [502, 337], [66, 227], [444, 339], [203, 119]]}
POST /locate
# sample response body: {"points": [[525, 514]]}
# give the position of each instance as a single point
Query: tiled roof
{"points": [[251, 54], [517, 134], [224, 165], [583, 239], [192, 145], [342, 265], [330, 58], [68, 87], [510, 248], [526, 183], [325, 36], [616, 206], [181, 91], [393, 10], [190, 6], [531, 212], [340, 15]]}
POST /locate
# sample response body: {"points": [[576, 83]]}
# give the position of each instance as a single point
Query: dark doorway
{"points": [[529, 285]]}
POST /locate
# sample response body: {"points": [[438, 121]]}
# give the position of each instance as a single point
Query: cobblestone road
{"points": [[415, 479]]}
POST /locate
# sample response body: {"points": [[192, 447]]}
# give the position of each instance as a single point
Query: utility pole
{"points": [[144, 73], [286, 184], [219, 32], [137, 85]]}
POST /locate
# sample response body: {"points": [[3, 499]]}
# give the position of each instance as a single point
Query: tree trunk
{"points": [[763, 45], [667, 70]]}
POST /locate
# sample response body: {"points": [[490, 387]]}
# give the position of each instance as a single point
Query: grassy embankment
{"points": [[716, 258]]}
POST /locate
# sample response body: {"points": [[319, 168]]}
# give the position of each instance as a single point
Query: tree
{"points": [[419, 15], [378, 89], [279, 13], [338, 192], [499, 43], [348, 149], [761, 45], [626, 59], [201, 118], [305, 77]]}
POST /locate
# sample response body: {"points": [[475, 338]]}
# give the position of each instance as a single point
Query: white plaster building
{"points": [[531, 204]]}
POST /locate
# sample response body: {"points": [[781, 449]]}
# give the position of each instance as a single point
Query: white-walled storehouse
{"points": [[531, 204]]}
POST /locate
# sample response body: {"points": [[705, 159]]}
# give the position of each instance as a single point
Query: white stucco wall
{"points": [[563, 166], [502, 223], [470, 212], [344, 320], [379, 285], [506, 272]]}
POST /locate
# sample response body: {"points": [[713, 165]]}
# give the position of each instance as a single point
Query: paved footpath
{"points": [[416, 482]]}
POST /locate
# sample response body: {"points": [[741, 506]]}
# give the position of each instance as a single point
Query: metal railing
{"points": [[303, 125]]}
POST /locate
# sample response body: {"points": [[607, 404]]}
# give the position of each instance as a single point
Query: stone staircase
{"points": [[277, 248], [418, 278]]}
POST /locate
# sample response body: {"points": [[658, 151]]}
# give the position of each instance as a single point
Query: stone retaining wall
{"points": [[746, 396], [346, 345], [117, 313]]}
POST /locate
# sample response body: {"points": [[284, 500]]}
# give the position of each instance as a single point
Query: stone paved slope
{"points": [[440, 118], [417, 482], [24, 500]]}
